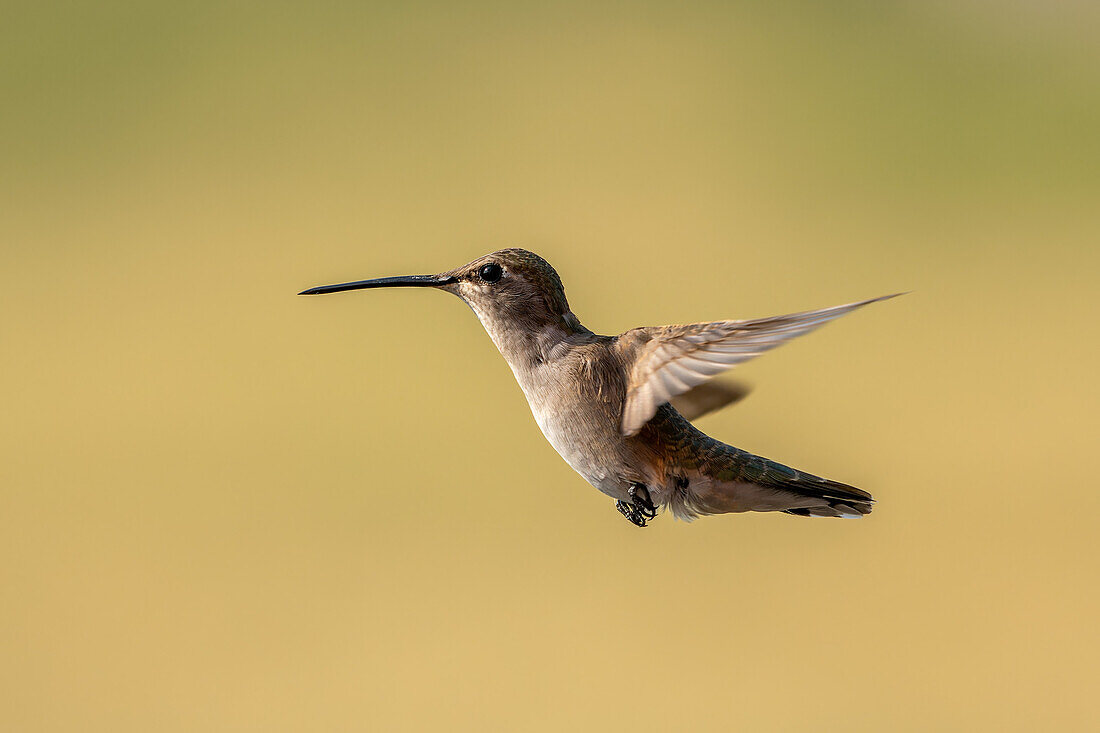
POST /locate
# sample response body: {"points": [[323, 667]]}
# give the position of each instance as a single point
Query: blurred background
{"points": [[227, 508]]}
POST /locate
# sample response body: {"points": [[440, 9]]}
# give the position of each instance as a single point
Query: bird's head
{"points": [[508, 290]]}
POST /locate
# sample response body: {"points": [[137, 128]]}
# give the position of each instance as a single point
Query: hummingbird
{"points": [[618, 408]]}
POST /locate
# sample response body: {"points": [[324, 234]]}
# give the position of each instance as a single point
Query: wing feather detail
{"points": [[671, 360]]}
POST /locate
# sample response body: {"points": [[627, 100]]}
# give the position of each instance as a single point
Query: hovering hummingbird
{"points": [[608, 404]]}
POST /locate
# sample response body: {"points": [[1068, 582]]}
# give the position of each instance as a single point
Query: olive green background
{"points": [[227, 508]]}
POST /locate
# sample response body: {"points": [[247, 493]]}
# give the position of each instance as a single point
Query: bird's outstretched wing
{"points": [[670, 360]]}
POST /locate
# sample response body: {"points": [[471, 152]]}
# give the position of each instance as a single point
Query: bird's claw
{"points": [[639, 495], [640, 509], [627, 510]]}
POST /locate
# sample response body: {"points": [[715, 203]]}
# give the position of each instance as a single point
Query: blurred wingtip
{"points": [[709, 397], [885, 297]]}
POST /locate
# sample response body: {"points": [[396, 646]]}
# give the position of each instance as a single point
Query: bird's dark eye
{"points": [[490, 273]]}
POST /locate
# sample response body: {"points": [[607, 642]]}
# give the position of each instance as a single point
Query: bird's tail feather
{"points": [[838, 500], [745, 482]]}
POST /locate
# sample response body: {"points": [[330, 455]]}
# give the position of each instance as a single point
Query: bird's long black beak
{"points": [[405, 281]]}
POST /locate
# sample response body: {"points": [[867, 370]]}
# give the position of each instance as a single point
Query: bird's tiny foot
{"points": [[627, 510], [640, 509], [643, 505]]}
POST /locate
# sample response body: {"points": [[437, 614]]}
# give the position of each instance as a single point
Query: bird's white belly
{"points": [[565, 416], [578, 453], [563, 428]]}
